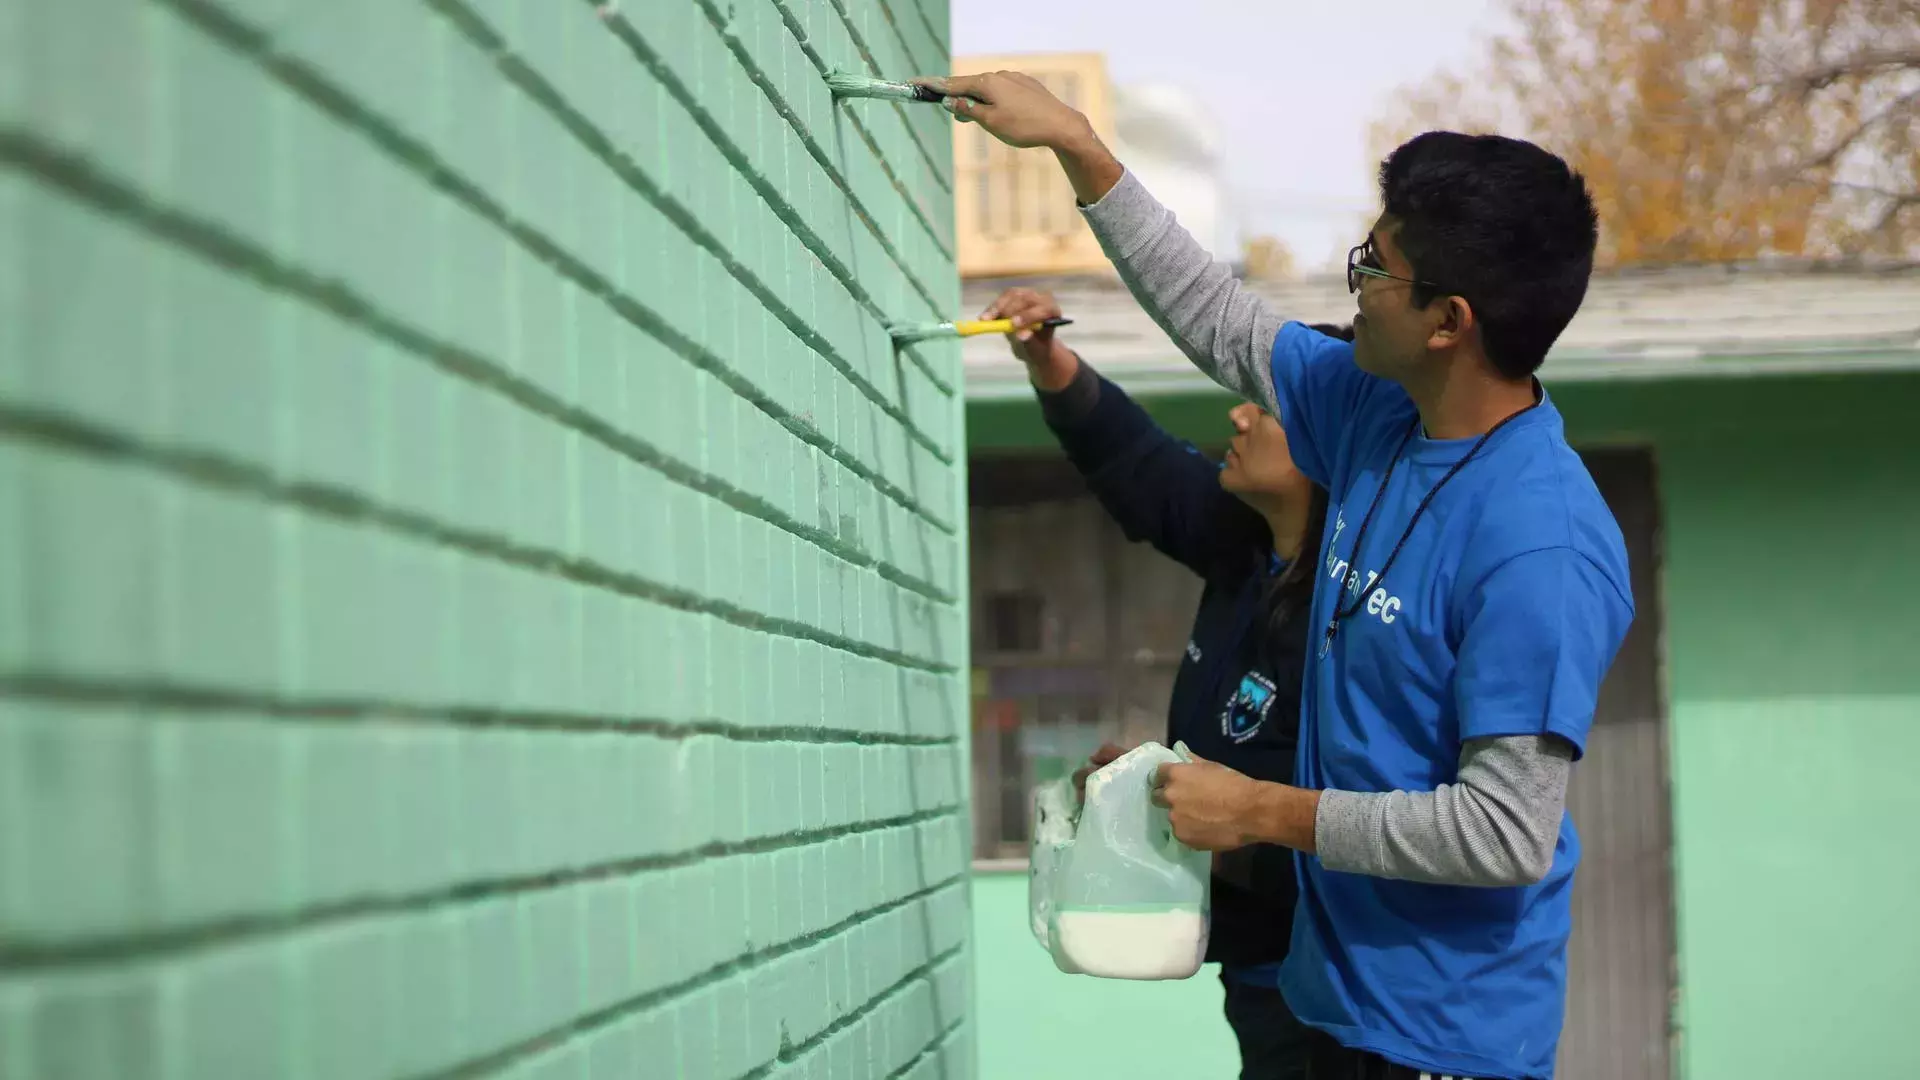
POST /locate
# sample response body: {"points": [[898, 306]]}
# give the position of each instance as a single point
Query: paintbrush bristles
{"points": [[843, 84], [908, 333]]}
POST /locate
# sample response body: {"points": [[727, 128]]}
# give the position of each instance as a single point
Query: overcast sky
{"points": [[1291, 85]]}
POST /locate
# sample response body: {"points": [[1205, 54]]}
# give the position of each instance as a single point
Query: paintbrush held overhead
{"points": [[910, 332], [847, 85]]}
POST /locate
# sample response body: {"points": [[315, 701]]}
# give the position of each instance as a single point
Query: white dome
{"points": [[1166, 119], [1170, 142]]}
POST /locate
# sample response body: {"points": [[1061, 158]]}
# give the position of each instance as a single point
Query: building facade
{"points": [[480, 594]]}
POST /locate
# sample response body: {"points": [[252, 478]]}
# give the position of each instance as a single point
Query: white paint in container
{"points": [[1134, 944]]}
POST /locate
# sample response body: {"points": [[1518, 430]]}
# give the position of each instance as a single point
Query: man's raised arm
{"points": [[1220, 325]]}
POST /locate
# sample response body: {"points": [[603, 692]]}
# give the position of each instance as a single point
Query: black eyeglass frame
{"points": [[1356, 269]]}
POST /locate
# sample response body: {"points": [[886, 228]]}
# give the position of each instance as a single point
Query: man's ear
{"points": [[1456, 321]]}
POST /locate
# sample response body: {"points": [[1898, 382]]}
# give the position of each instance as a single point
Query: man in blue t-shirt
{"points": [[1475, 590]]}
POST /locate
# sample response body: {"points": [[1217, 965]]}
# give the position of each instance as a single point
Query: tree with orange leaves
{"points": [[1709, 129]]}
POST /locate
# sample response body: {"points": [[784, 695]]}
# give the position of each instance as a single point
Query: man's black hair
{"points": [[1502, 223]]}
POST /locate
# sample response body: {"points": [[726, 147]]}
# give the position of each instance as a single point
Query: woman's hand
{"points": [[1106, 755], [1050, 364]]}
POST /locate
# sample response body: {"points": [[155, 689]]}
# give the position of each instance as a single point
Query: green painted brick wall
{"points": [[478, 589]]}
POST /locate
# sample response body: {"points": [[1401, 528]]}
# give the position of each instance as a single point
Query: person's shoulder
{"points": [[1542, 497], [1298, 337], [1328, 359], [1323, 357], [1339, 414]]}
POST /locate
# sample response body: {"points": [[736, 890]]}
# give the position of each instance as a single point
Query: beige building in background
{"points": [[1014, 212]]}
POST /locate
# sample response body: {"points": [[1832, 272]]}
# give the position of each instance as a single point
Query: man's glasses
{"points": [[1362, 263]]}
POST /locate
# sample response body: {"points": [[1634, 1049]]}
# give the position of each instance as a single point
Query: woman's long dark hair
{"points": [[1292, 589]]}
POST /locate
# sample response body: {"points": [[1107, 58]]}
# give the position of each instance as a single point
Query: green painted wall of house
{"points": [[478, 589], [1791, 598]]}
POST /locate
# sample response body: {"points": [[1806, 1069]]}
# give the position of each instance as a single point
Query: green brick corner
{"points": [[479, 593]]}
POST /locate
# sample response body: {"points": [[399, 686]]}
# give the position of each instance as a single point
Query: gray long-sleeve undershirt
{"points": [[1499, 822]]}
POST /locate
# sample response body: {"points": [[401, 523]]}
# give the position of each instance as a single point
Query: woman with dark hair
{"points": [[1243, 526]]}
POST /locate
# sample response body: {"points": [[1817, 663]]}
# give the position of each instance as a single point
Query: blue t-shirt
{"points": [[1500, 617]]}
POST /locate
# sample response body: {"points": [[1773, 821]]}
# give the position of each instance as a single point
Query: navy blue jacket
{"points": [[1236, 699]]}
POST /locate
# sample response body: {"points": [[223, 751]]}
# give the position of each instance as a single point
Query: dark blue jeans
{"points": [[1273, 1045]]}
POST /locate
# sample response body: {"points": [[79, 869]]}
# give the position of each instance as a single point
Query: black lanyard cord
{"points": [[1353, 562]]}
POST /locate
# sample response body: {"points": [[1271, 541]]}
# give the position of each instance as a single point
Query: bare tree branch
{"points": [[1899, 107], [1726, 129], [1810, 80], [1894, 208]]}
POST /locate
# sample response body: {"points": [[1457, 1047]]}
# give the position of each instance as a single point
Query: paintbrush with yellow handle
{"points": [[908, 333]]}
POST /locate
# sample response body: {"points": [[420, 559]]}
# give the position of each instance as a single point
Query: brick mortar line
{"points": [[939, 1042], [939, 39], [210, 470], [302, 79], [560, 1036], [199, 701], [590, 1022], [255, 46], [900, 109], [873, 64], [724, 25], [792, 22], [785, 110], [537, 88], [873, 1003], [649, 57], [170, 943], [928, 67], [76, 178], [644, 52], [900, 35], [683, 218], [919, 974]]}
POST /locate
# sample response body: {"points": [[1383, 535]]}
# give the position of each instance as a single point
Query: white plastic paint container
{"points": [[1111, 893]]}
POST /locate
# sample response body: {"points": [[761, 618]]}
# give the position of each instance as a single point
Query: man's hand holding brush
{"points": [[1020, 112]]}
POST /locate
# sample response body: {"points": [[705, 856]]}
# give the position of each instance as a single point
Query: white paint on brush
{"points": [[908, 333], [844, 84]]}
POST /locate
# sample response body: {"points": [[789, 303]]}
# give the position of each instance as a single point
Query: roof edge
{"points": [[1571, 370]]}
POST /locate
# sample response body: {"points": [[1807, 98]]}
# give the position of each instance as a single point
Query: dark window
{"points": [[1013, 620]]}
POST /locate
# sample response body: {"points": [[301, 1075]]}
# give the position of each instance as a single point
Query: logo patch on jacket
{"points": [[1247, 709]]}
